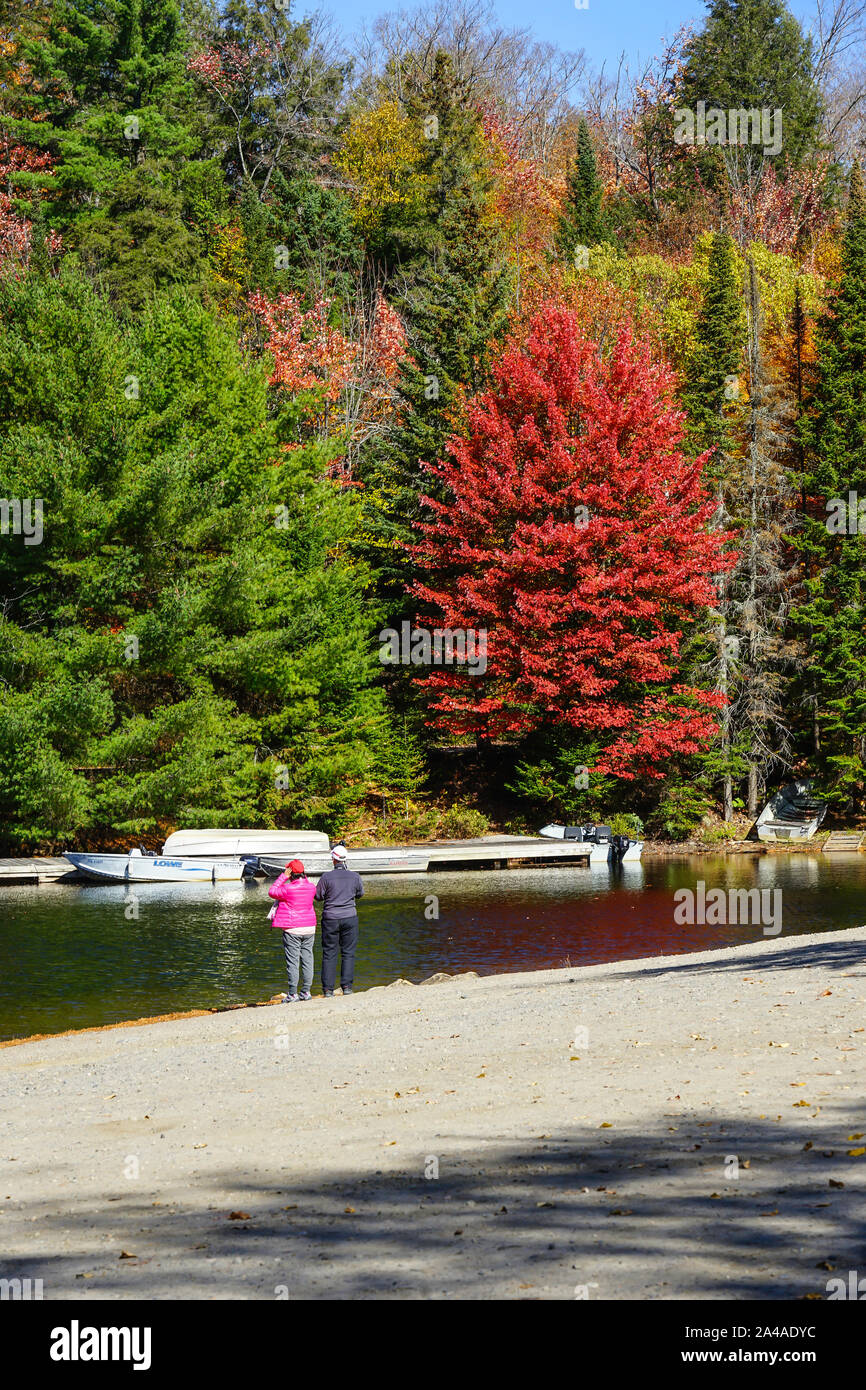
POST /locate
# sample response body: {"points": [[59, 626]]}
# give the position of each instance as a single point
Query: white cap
{"points": [[339, 852]]}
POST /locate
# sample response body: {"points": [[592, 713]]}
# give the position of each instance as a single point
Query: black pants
{"points": [[340, 935]]}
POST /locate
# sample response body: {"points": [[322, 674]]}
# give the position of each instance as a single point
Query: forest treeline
{"points": [[301, 344]]}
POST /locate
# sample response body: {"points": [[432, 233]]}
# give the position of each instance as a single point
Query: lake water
{"points": [[72, 956]]}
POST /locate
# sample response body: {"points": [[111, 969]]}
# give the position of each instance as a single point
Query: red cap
{"points": [[296, 867]]}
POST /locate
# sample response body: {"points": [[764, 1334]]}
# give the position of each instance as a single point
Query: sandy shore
{"points": [[667, 1128]]}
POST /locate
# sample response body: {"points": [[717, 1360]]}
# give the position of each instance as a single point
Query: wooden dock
{"points": [[843, 842], [501, 852], [35, 871]]}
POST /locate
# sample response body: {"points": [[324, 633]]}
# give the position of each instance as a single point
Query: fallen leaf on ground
{"points": [[239, 1216], [127, 1255]]}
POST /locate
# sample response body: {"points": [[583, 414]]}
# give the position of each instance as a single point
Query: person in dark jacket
{"points": [[337, 891]]}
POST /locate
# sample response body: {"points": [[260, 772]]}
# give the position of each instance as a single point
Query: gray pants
{"points": [[299, 955]]}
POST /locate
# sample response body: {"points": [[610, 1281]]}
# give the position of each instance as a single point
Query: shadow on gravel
{"points": [[831, 955], [655, 1216]]}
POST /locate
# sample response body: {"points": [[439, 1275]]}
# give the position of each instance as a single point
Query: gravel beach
{"points": [[685, 1126]]}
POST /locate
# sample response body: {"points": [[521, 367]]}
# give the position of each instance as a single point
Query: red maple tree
{"points": [[576, 533]]}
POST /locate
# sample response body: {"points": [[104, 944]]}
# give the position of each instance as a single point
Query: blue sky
{"points": [[603, 30]]}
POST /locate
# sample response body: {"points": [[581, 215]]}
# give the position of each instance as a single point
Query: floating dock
{"points": [[495, 852], [450, 856], [36, 871]]}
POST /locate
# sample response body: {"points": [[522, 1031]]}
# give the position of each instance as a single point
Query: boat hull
{"points": [[132, 868], [371, 861]]}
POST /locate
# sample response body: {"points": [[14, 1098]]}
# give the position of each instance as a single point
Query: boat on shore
{"points": [[793, 813], [136, 867]]}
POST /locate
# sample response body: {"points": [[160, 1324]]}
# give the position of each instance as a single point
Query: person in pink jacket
{"points": [[295, 917]]}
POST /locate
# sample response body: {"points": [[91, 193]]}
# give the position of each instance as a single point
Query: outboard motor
{"points": [[598, 834], [619, 845]]}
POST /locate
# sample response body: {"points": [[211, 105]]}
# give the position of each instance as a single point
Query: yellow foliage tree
{"points": [[379, 160], [230, 260]]}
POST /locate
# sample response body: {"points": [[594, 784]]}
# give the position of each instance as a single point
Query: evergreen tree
{"points": [[753, 54], [451, 288], [301, 239], [833, 540], [110, 101], [712, 376], [712, 382], [582, 221], [191, 623], [455, 307], [110, 91], [139, 241], [453, 163]]}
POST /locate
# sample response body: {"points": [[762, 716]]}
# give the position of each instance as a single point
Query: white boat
{"points": [[605, 848], [136, 867], [290, 844], [791, 814], [392, 859]]}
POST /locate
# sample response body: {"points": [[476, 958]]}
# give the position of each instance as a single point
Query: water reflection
{"points": [[76, 955]]}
